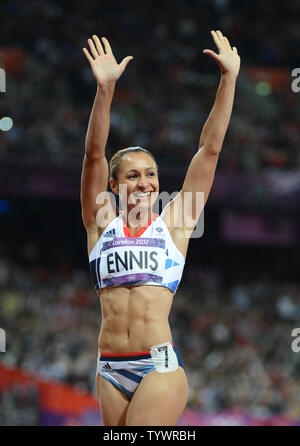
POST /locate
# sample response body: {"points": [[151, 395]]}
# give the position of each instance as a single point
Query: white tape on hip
{"points": [[164, 357]]}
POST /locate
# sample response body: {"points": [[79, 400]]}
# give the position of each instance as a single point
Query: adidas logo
{"points": [[110, 233], [107, 368]]}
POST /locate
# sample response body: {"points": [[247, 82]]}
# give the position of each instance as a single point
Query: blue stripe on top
{"points": [[107, 357]]}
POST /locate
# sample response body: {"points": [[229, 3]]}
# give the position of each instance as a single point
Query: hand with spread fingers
{"points": [[103, 63], [228, 58]]}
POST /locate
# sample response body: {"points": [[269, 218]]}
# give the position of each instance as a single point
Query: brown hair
{"points": [[115, 160]]}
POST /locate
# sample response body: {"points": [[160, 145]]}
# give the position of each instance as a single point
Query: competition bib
{"points": [[132, 260]]}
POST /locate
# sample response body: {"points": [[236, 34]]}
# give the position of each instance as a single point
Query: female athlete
{"points": [[137, 257]]}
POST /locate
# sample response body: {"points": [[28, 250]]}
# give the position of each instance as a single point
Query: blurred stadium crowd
{"points": [[19, 406], [235, 339], [167, 91]]}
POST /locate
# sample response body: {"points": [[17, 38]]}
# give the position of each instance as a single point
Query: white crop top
{"points": [[150, 257]]}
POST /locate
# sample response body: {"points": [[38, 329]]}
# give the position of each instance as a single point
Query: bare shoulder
{"points": [[181, 239], [172, 217], [173, 214]]}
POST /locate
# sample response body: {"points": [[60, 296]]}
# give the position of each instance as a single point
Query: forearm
{"points": [[214, 130], [99, 122]]}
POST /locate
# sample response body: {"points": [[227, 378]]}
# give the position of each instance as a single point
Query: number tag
{"points": [[164, 357]]}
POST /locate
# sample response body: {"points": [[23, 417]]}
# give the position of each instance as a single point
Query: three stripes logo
{"points": [[107, 369], [110, 233]]}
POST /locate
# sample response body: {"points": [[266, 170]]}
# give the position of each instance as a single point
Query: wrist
{"points": [[229, 76], [107, 87]]}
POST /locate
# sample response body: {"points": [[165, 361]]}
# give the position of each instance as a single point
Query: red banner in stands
{"points": [[54, 397]]}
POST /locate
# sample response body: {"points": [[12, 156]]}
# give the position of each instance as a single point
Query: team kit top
{"points": [[150, 257]]}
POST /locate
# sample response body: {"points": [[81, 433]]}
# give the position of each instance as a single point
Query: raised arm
{"points": [[94, 178], [215, 128], [200, 174]]}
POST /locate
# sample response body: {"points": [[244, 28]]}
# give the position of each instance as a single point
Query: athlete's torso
{"points": [[135, 317]]}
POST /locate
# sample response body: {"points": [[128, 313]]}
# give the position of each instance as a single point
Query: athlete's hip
{"points": [[126, 370]]}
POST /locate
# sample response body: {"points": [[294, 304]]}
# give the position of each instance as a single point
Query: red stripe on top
{"points": [[124, 354], [127, 231], [128, 354]]}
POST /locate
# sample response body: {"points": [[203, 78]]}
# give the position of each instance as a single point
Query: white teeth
{"points": [[142, 195]]}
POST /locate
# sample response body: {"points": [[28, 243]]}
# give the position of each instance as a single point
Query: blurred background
{"points": [[239, 299]]}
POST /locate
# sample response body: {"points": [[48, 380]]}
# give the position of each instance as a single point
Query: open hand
{"points": [[228, 58], [103, 63]]}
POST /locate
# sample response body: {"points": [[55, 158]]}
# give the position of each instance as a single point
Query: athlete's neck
{"points": [[134, 222]]}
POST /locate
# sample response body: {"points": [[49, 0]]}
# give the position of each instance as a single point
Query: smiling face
{"points": [[137, 181]]}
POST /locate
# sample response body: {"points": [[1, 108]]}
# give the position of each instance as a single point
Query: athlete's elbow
{"points": [[92, 155], [212, 148]]}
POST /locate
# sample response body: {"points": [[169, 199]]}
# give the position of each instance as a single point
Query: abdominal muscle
{"points": [[134, 318]]}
